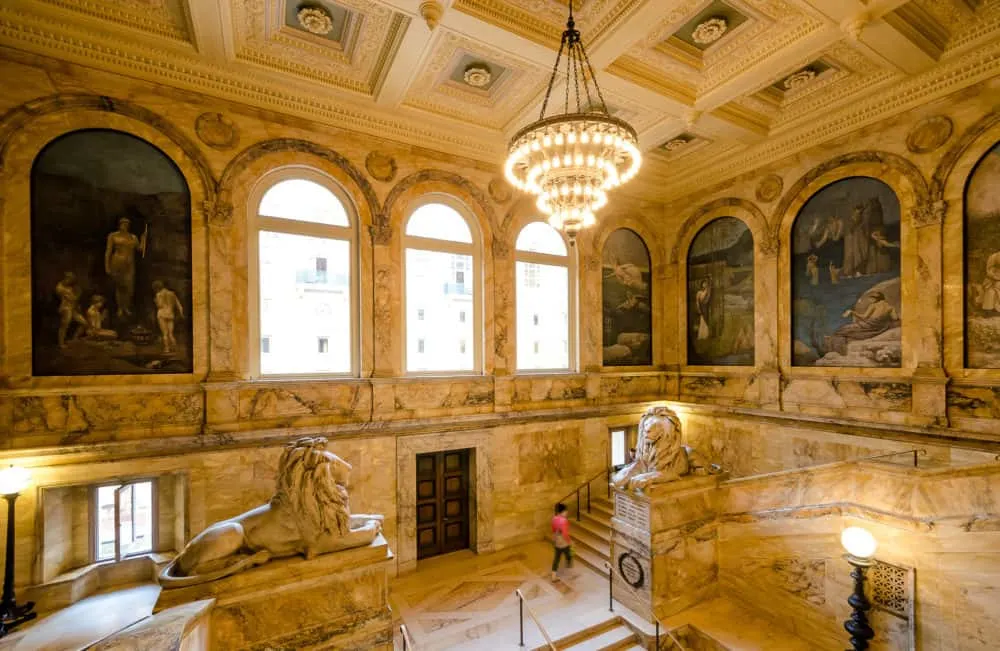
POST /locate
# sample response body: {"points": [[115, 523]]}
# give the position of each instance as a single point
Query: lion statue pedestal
{"points": [[298, 572], [664, 531]]}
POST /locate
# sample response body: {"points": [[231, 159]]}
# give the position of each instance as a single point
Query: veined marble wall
{"points": [[925, 155], [537, 436]]}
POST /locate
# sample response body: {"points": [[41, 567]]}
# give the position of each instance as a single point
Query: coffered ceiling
{"points": [[722, 85]]}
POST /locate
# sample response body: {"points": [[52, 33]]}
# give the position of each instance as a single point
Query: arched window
{"points": [[304, 285], [442, 294], [545, 302]]}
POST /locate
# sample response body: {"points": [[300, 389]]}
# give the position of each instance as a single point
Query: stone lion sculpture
{"points": [[309, 514], [659, 455]]}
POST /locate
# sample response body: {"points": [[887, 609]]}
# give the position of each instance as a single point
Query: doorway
{"points": [[442, 502]]}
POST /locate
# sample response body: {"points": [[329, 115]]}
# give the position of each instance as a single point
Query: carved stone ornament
{"points": [[315, 19], [216, 130], [799, 79], [478, 75], [431, 11], [309, 514], [710, 30], [675, 144], [929, 134], [769, 188], [660, 457], [930, 213], [499, 190], [381, 166], [631, 570]]}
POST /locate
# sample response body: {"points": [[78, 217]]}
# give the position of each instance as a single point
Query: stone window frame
{"points": [[473, 249], [569, 262], [257, 222]]}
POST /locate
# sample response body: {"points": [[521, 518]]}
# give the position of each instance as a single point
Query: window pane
{"points": [[439, 222], [442, 283], [618, 447], [105, 522], [305, 201], [541, 238], [542, 291], [308, 300], [135, 516]]}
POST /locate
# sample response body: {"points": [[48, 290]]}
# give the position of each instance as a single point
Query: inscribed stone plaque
{"points": [[633, 512]]}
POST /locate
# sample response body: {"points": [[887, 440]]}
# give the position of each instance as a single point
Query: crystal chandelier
{"points": [[571, 160]]}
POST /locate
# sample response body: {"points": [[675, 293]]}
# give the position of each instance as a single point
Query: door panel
{"points": [[442, 502]]}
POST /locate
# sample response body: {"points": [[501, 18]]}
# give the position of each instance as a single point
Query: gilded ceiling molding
{"points": [[753, 216], [255, 152], [467, 190], [909, 171], [939, 178], [21, 116]]}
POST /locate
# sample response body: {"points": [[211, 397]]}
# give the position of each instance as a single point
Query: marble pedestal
{"points": [[664, 545], [334, 601]]}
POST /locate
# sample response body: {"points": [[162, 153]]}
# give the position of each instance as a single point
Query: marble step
{"points": [[567, 641], [592, 527], [602, 506], [591, 559], [599, 517], [619, 637], [587, 539]]}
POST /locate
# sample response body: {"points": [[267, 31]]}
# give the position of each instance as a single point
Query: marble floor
{"points": [[466, 602]]}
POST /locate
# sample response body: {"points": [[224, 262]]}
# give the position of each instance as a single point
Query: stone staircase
{"points": [[591, 534], [613, 634]]}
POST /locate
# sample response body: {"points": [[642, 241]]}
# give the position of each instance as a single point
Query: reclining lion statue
{"points": [[659, 455], [309, 514]]}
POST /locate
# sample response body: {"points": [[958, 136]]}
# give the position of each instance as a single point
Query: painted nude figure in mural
{"points": [[68, 292], [97, 314], [988, 299], [168, 310], [119, 263], [703, 301]]}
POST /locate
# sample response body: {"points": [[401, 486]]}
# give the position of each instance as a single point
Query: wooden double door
{"points": [[442, 502]]}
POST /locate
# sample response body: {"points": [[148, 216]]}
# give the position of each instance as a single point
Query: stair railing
{"points": [[408, 644], [660, 627], [586, 486], [522, 606]]}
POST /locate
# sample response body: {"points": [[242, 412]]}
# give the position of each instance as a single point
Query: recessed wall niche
{"points": [[110, 258], [846, 285], [982, 263]]}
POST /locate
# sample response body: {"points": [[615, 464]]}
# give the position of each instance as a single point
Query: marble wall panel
{"points": [[549, 391], [718, 388], [630, 388], [288, 402]]}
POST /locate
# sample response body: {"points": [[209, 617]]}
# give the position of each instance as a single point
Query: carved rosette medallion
{"points": [[929, 134], [477, 75], [216, 130], [709, 31], [315, 20], [769, 188], [799, 79], [499, 190], [675, 144], [381, 166]]}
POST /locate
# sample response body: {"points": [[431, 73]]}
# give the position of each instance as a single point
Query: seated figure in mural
{"points": [[875, 319], [97, 314], [988, 298], [659, 455], [309, 514], [68, 291]]}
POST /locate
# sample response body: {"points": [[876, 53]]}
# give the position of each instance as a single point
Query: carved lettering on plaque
{"points": [[633, 512]]}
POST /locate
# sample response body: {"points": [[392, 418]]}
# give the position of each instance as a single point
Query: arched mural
{"points": [[110, 258], [720, 295], [846, 288], [627, 308], [982, 263]]}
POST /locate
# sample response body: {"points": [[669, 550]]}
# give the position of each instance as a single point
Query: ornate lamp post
{"points": [[860, 546], [13, 480]]}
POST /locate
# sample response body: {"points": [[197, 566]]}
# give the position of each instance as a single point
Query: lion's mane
{"points": [[311, 485]]}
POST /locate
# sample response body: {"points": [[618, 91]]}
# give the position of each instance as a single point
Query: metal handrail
{"points": [[659, 625], [408, 644], [522, 606], [586, 484]]}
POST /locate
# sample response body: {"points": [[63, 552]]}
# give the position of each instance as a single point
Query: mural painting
{"points": [[628, 318], [982, 263], [846, 301], [110, 258], [720, 295]]}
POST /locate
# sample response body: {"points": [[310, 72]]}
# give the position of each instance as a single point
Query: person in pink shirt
{"points": [[561, 541]]}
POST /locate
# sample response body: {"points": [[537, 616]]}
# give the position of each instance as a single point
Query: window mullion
{"points": [[118, 524], [304, 228], [443, 246], [542, 258]]}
